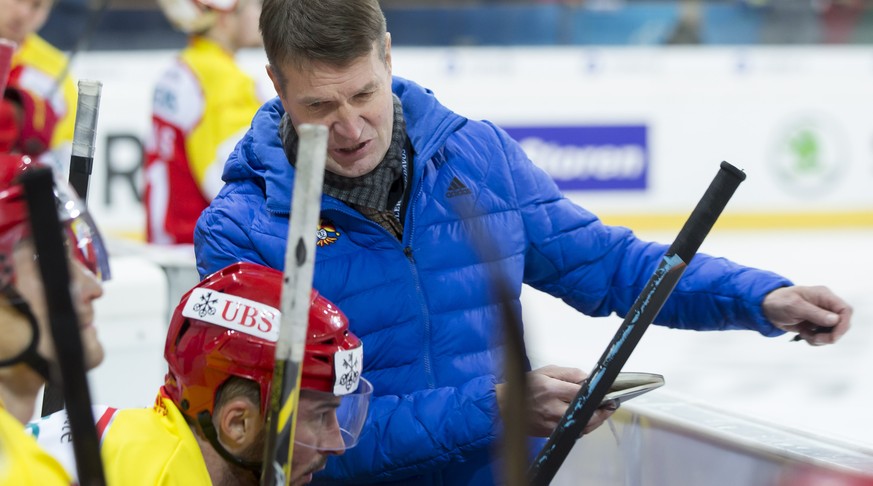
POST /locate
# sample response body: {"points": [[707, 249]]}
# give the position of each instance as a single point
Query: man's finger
{"points": [[569, 375]]}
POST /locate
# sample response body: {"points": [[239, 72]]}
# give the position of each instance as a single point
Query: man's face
{"points": [[84, 289], [317, 437], [19, 18], [354, 102]]}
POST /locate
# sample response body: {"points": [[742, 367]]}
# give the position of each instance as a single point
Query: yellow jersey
{"points": [[202, 106], [139, 446], [36, 67], [22, 461]]}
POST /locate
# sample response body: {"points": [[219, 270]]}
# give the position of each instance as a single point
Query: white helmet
{"points": [[193, 16]]}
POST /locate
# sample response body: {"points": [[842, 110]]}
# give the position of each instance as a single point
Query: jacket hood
{"points": [[260, 154]]}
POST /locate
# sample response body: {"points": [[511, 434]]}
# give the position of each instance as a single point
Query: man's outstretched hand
{"points": [[815, 313], [550, 390]]}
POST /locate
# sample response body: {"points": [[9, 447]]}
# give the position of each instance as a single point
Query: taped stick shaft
{"points": [[81, 161], [64, 323], [296, 292], [641, 314], [84, 135]]}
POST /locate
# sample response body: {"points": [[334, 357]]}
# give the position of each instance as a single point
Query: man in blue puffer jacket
{"points": [[410, 187]]}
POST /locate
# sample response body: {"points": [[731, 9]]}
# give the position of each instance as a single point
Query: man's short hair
{"points": [[335, 32], [238, 387]]}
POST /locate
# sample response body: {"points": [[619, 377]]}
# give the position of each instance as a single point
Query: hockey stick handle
{"points": [[64, 323], [84, 135], [296, 299], [706, 212], [638, 318], [81, 162]]}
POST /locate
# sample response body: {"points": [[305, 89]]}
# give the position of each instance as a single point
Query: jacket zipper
{"points": [[407, 251]]}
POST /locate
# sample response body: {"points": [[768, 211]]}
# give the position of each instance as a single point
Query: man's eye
{"points": [[364, 96]]}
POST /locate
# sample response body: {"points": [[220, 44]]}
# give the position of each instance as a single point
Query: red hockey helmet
{"points": [[228, 326], [81, 232]]}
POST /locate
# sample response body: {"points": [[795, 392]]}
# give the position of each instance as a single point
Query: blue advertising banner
{"points": [[589, 158]]}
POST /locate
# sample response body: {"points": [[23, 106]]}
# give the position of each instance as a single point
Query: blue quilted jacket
{"points": [[423, 306]]}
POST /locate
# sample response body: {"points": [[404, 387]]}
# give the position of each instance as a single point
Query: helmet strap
{"points": [[204, 420], [29, 356]]}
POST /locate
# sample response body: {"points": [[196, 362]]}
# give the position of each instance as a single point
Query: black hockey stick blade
{"points": [[54, 270], [640, 315]]}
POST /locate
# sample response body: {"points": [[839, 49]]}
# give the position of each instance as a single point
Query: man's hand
{"points": [[550, 390], [805, 310]]}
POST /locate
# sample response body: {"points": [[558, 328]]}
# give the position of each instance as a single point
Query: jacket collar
{"points": [[260, 154]]}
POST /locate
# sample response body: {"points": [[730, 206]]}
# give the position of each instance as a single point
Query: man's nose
{"points": [[348, 124], [89, 288], [333, 443]]}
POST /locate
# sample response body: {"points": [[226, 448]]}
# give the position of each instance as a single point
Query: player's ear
{"points": [[239, 421]]}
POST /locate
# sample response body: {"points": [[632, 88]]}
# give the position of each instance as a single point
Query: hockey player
{"points": [[207, 423], [26, 348], [42, 70], [202, 106]]}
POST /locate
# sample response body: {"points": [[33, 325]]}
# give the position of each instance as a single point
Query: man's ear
{"points": [[238, 422], [276, 78], [388, 51]]}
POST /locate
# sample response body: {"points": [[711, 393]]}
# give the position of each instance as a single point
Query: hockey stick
{"points": [[514, 411], [296, 292], [54, 270], [638, 318], [81, 161], [84, 134]]}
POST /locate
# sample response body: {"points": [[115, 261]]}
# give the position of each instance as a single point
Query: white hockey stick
{"points": [[299, 267]]}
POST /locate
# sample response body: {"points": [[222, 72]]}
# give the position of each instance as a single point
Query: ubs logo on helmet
{"points": [[326, 233], [237, 313]]}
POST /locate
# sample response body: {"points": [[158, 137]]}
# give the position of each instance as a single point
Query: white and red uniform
{"points": [[203, 104], [36, 67]]}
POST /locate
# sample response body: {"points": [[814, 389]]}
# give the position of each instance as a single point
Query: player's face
{"points": [[354, 102], [18, 18], [246, 17], [317, 436], [84, 288]]}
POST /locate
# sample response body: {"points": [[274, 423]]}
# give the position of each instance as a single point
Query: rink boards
{"points": [[633, 134]]}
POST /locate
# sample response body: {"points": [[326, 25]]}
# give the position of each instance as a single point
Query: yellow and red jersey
{"points": [[139, 446], [203, 104], [36, 67], [22, 461]]}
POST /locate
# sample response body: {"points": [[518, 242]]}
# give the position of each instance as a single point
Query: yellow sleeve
{"points": [[22, 461], [152, 446], [44, 64], [230, 101]]}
